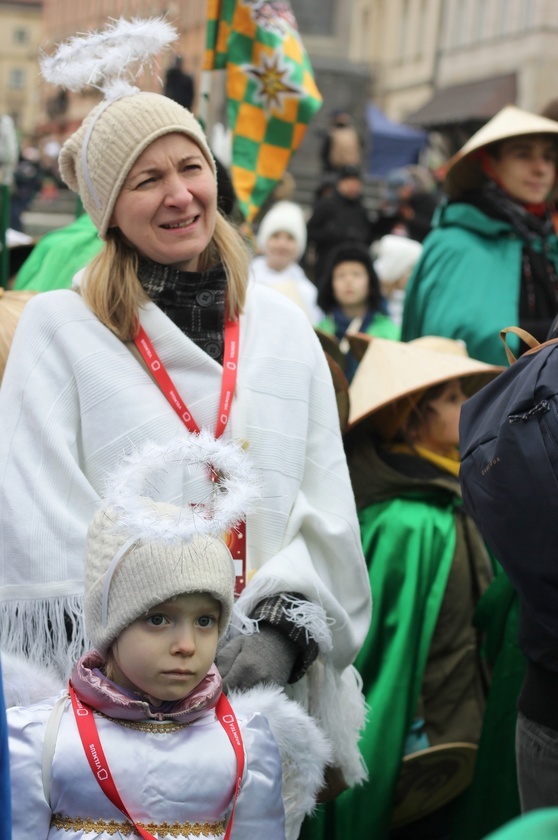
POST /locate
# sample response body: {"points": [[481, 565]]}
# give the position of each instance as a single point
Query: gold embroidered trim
{"points": [[146, 726], [127, 829]]}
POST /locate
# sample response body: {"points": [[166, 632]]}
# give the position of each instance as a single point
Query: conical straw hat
{"points": [[463, 170], [330, 346], [341, 387], [394, 371], [358, 342], [11, 307]]}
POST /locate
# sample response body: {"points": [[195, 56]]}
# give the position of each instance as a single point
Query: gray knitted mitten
{"points": [[264, 657]]}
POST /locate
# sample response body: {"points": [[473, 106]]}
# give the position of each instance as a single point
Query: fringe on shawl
{"points": [[306, 614], [335, 700], [48, 631]]}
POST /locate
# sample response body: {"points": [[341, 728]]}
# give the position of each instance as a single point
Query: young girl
{"points": [[350, 295], [145, 741]]}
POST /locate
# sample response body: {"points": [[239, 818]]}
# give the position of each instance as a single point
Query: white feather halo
{"points": [[237, 489], [110, 59]]}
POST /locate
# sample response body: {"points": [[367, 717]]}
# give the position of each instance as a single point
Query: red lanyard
{"points": [[91, 743], [165, 383], [236, 538]]}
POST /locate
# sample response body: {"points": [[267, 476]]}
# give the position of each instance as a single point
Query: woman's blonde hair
{"points": [[113, 292]]}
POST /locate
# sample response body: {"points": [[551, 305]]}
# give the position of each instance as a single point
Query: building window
{"points": [[16, 79], [528, 12], [482, 20], [20, 36], [459, 24], [404, 32], [422, 28]]}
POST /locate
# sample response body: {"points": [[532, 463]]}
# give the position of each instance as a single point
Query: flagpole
{"points": [[9, 151], [203, 100]]}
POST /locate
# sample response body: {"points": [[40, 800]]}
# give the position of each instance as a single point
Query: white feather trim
{"points": [[336, 701], [236, 490], [304, 749], [110, 59], [27, 682]]}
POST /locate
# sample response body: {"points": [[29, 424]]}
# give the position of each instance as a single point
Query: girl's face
{"points": [[280, 250], [526, 168], [167, 652], [439, 429], [350, 284], [168, 204]]}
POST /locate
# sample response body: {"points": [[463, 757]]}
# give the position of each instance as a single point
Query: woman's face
{"points": [[526, 168], [168, 204], [439, 429]]}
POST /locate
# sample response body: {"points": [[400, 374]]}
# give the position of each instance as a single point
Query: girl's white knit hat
{"points": [[96, 160], [149, 572], [283, 216]]}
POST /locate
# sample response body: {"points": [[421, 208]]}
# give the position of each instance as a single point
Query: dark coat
{"points": [[335, 220]]}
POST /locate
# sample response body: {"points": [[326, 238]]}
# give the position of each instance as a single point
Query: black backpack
{"points": [[509, 473]]}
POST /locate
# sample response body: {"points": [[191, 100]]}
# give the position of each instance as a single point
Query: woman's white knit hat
{"points": [[397, 255], [149, 572], [96, 160], [283, 216]]}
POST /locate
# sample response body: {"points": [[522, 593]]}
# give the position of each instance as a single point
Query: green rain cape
{"points": [[58, 256], [410, 543]]}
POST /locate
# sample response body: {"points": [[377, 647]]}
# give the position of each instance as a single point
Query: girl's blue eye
{"points": [[156, 620], [206, 621]]}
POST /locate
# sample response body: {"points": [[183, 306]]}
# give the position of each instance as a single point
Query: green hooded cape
{"points": [[467, 281]]}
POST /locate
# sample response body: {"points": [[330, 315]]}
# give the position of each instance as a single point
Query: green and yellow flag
{"points": [[271, 92]]}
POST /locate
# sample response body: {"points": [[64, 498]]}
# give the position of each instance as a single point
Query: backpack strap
{"points": [[526, 337], [49, 743]]}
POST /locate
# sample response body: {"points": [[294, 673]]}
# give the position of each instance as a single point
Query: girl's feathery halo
{"points": [[110, 59], [238, 488]]}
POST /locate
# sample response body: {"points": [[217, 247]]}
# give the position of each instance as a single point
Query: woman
{"points": [[168, 292], [492, 258]]}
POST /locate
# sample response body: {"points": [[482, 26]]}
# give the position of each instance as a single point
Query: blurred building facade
{"points": [[64, 18], [450, 65], [20, 37]]}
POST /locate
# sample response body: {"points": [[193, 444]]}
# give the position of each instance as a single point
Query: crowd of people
{"points": [[193, 531]]}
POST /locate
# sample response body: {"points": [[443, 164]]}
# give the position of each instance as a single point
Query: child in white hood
{"points": [[281, 240]]}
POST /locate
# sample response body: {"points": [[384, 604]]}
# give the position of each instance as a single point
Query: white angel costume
{"points": [[175, 772]]}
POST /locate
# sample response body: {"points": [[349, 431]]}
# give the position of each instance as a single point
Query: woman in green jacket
{"points": [[491, 260]]}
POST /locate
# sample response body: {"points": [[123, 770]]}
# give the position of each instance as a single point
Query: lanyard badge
{"points": [[235, 539]]}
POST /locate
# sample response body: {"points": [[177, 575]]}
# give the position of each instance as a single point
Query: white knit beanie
{"points": [[96, 159], [396, 256], [124, 578], [283, 216]]}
